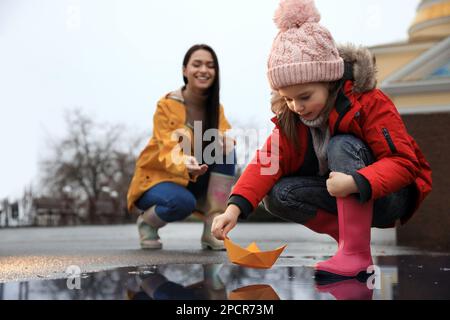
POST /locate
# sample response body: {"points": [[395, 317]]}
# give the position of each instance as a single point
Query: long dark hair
{"points": [[213, 100]]}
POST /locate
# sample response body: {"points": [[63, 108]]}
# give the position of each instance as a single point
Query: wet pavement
{"points": [[85, 263], [398, 278]]}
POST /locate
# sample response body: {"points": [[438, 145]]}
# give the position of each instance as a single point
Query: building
{"points": [[415, 73]]}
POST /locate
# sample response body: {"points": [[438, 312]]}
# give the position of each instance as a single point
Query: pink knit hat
{"points": [[303, 51]]}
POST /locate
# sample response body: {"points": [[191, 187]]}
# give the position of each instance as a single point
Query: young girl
{"points": [[169, 182], [346, 161]]}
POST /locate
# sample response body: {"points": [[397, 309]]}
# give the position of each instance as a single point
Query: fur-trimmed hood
{"points": [[364, 66]]}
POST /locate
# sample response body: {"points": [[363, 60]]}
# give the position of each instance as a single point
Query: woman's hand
{"points": [[193, 167], [225, 222], [341, 185]]}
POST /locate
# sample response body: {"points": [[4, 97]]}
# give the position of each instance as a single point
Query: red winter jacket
{"points": [[372, 117]]}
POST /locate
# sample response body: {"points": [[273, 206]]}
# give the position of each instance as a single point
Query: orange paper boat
{"points": [[252, 256]]}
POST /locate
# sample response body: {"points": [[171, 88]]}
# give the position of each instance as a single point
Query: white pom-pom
{"points": [[294, 13]]}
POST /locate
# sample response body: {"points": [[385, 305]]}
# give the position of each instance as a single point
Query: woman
{"points": [[170, 182]]}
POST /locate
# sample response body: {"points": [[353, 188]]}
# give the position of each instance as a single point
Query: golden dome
{"points": [[432, 20]]}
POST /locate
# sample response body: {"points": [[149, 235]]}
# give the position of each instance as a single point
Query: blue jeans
{"points": [[298, 198], [175, 202]]}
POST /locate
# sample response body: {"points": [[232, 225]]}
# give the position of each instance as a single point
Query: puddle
{"points": [[397, 278]]}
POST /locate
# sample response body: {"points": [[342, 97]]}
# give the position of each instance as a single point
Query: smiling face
{"points": [[200, 71], [306, 100]]}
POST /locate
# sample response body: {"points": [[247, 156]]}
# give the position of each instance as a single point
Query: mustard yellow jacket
{"points": [[156, 162]]}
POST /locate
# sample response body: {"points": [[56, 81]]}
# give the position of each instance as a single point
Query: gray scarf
{"points": [[320, 133]]}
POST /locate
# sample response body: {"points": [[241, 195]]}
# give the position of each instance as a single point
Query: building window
{"points": [[441, 72]]}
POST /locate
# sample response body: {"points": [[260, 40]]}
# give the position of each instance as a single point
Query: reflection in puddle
{"points": [[400, 277], [255, 292]]}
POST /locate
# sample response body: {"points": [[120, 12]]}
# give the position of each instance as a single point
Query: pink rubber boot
{"points": [[353, 256], [324, 223]]}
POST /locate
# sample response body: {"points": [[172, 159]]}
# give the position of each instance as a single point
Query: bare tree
{"points": [[93, 163]]}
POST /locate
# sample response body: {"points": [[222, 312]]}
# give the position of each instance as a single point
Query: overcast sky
{"points": [[116, 58]]}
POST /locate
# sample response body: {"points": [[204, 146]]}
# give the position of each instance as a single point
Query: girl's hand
{"points": [[225, 222], [193, 167], [341, 185]]}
